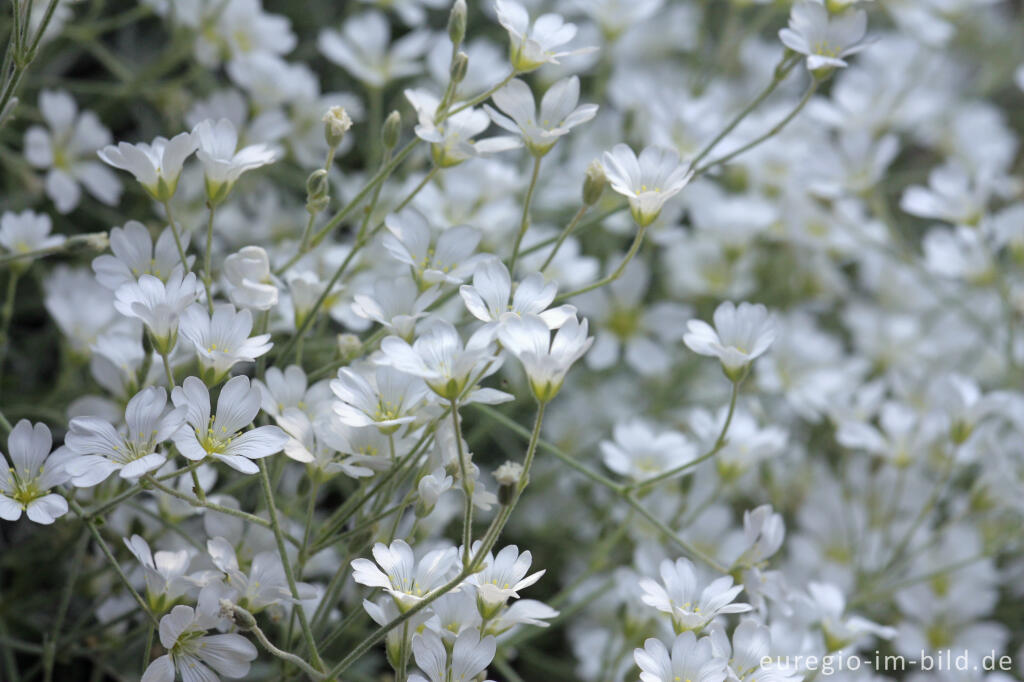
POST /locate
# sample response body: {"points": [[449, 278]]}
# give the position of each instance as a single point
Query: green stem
{"points": [[207, 269], [595, 220], [782, 70], [148, 651], [297, 661], [21, 57], [467, 490], [5, 319], [718, 445], [524, 223], [633, 248], [359, 244], [771, 133], [95, 241], [307, 632], [91, 525], [563, 236], [51, 645], [482, 97], [567, 459], [177, 237], [168, 372], [377, 179], [195, 502]]}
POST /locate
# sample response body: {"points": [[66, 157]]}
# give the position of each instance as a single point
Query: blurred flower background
{"points": [[547, 340]]}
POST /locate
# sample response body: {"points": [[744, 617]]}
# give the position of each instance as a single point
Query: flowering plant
{"points": [[425, 340]]}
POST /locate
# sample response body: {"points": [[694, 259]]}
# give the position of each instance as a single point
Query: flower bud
{"points": [[457, 22], [318, 192], [336, 124], [459, 66], [392, 129], [349, 345], [508, 476], [242, 618], [594, 182]]}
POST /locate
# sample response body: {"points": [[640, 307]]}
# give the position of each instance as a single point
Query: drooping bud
{"points": [[508, 476], [336, 124], [457, 23], [242, 618], [594, 182], [318, 191]]}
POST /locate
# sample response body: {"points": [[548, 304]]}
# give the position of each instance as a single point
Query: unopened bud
{"points": [[349, 345], [593, 183], [392, 129], [318, 191], [336, 124], [508, 476], [242, 618], [459, 66], [457, 22]]}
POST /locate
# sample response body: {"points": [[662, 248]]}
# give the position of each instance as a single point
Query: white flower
{"points": [[447, 259], [522, 612], [196, 655], [825, 39], [68, 150], [429, 490], [469, 656], [502, 577], [749, 654], [290, 388], [265, 584], [647, 182], [545, 360], [829, 606], [318, 444], [27, 231], [952, 195], [397, 303], [26, 485], [488, 297], [453, 140], [336, 122], [383, 397], [678, 595], [639, 451], [533, 44], [741, 334], [558, 112], [219, 436], [136, 255], [763, 533], [252, 285], [131, 451], [691, 659], [439, 357], [222, 340], [165, 572], [156, 166], [365, 49], [222, 165], [399, 574], [159, 305]]}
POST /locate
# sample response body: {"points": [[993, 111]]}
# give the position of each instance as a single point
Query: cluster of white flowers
{"points": [[710, 314]]}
